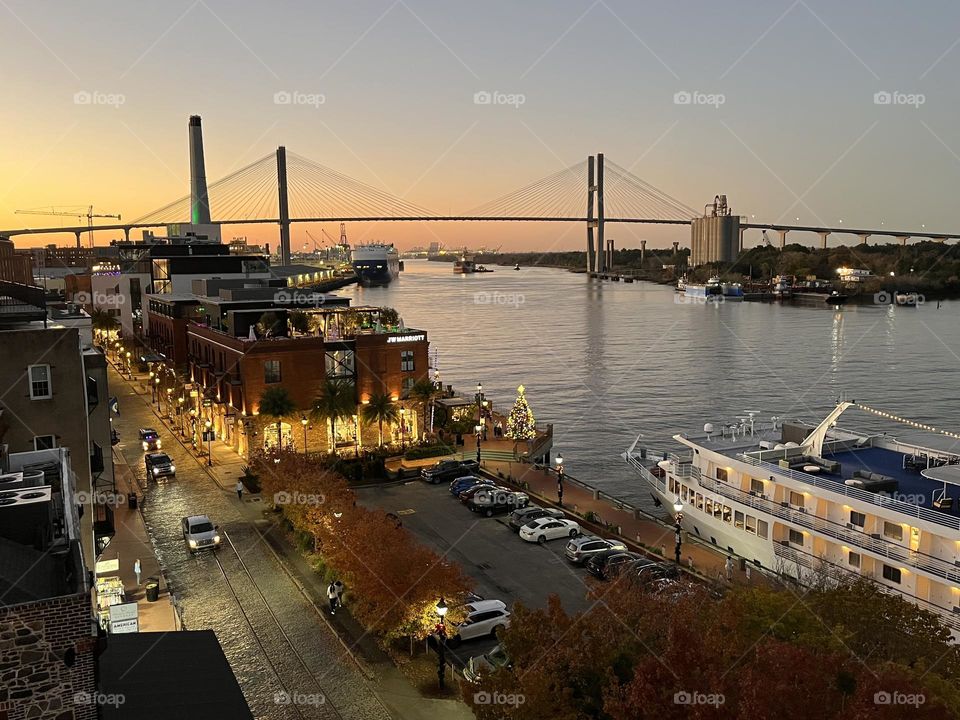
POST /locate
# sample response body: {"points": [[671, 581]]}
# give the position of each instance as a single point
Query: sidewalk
{"points": [[701, 558], [130, 542]]}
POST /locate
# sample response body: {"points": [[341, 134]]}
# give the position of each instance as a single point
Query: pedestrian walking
{"points": [[747, 571], [136, 570], [332, 598], [729, 568], [560, 493], [239, 490], [339, 586]]}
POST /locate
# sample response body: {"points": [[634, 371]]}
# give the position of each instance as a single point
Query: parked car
{"points": [[521, 516], [449, 470], [466, 482], [466, 495], [649, 573], [494, 499], [596, 564], [548, 528], [480, 665], [629, 565], [149, 439], [159, 464], [579, 549], [484, 617], [199, 533]]}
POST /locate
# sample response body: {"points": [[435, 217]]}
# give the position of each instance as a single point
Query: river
{"points": [[605, 361]]}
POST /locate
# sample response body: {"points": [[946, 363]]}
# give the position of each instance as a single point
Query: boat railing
{"points": [[814, 563], [645, 473], [899, 506], [884, 548]]}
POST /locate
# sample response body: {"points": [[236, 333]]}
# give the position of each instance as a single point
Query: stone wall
{"points": [[47, 660]]}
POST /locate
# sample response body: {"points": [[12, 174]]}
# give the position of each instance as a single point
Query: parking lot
{"points": [[503, 566]]}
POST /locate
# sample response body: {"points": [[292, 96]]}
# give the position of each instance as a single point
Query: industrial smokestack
{"points": [[199, 202]]}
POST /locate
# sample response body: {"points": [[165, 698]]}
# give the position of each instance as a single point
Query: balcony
{"points": [[835, 531], [814, 563], [96, 459]]}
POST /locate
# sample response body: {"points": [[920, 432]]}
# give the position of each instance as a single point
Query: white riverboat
{"points": [[821, 501]]}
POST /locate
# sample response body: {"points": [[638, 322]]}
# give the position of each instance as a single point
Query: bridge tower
{"points": [[591, 189], [601, 246], [283, 205], [596, 251]]}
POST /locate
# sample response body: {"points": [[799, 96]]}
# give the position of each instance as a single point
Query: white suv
{"points": [[484, 617], [199, 533]]}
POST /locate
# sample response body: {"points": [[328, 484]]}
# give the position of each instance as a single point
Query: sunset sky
{"points": [[798, 130]]}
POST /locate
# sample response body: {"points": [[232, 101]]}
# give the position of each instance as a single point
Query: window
{"points": [[858, 519], [406, 361], [796, 538], [762, 529], [722, 474], [796, 499], [891, 573], [751, 524], [893, 531], [738, 519], [853, 559], [271, 371], [44, 442], [756, 486], [340, 364], [407, 386], [40, 387]]}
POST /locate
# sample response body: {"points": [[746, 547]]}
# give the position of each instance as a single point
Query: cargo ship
{"points": [[376, 263]]}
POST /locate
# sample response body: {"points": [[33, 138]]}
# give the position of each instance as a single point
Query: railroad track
{"points": [[301, 686]]}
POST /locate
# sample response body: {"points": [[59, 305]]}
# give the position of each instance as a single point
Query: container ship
{"points": [[376, 263]]}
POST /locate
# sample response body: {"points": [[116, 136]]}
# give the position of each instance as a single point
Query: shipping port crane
{"points": [[89, 215]]}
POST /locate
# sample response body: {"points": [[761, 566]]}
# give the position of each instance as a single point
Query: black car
{"points": [[490, 499], [520, 517], [646, 574], [446, 470], [598, 564], [159, 465]]}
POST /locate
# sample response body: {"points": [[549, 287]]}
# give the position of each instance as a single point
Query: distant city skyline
{"points": [[800, 112]]}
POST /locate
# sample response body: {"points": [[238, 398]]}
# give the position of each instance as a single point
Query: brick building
{"points": [[231, 358], [14, 266]]}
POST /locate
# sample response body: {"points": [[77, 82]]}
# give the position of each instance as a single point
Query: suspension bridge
{"points": [[284, 188]]}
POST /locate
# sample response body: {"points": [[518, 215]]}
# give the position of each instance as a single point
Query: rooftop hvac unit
{"points": [[25, 516]]}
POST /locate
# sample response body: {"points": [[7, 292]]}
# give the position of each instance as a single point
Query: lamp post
{"points": [[170, 402], [441, 644], [478, 429], [559, 479], [156, 382], [403, 428], [678, 518], [129, 367], [304, 421], [209, 426], [153, 389], [180, 401]]}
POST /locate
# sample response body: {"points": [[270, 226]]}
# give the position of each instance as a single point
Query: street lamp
{"points": [[441, 643], [478, 429], [209, 425], [180, 401], [678, 519], [559, 479], [153, 388], [129, 367], [156, 382], [403, 428], [304, 421], [169, 402]]}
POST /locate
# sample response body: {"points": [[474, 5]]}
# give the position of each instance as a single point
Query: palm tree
{"points": [[423, 393], [381, 408], [276, 403], [337, 401]]}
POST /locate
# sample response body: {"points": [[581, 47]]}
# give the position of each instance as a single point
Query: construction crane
{"points": [[316, 246], [89, 215]]}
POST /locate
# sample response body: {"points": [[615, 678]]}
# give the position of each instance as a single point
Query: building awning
{"points": [[163, 675]]}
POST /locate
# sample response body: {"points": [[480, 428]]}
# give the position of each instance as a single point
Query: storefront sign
{"points": [[124, 618], [108, 566]]}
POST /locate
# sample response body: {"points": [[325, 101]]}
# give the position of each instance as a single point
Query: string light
{"points": [[911, 423]]}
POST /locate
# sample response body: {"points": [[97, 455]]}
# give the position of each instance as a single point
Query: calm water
{"points": [[605, 361]]}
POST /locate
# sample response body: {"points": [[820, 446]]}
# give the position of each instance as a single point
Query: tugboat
{"points": [[517, 266], [836, 298]]}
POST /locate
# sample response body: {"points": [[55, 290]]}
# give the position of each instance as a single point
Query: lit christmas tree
{"points": [[521, 425]]}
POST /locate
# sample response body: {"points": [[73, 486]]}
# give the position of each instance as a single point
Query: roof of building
{"points": [[164, 675], [295, 269]]}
